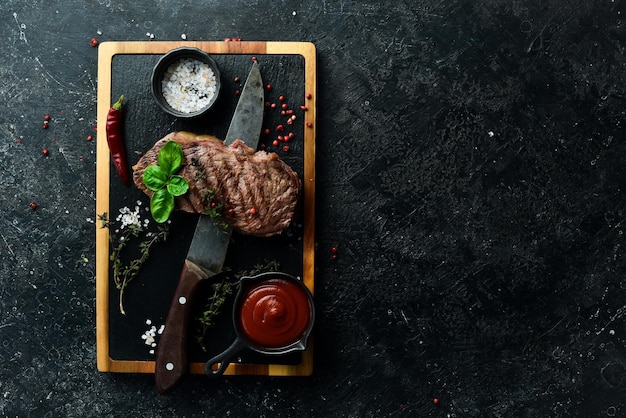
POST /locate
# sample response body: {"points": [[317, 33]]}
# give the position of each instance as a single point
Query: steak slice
{"points": [[257, 190]]}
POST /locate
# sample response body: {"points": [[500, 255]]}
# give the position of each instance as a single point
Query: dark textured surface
{"points": [[470, 171]]}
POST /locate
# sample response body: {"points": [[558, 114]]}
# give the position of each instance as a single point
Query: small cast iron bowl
{"points": [[161, 68], [256, 285]]}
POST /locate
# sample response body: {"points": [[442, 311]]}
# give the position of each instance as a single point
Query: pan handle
{"points": [[224, 358]]}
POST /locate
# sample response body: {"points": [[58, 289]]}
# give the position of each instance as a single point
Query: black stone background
{"points": [[470, 171]]}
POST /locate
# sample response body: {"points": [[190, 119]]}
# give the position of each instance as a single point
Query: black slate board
{"points": [[147, 298]]}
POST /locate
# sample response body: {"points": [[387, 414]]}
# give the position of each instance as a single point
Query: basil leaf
{"points": [[154, 177], [177, 185], [161, 205], [170, 157]]}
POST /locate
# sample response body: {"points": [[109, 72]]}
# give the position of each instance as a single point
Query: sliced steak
{"points": [[257, 190]]}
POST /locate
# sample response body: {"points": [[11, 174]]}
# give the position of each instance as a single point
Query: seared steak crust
{"points": [[257, 190]]}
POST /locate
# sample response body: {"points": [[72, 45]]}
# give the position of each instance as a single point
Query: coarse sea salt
{"points": [[189, 85]]}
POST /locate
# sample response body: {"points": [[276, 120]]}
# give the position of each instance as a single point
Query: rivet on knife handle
{"points": [[171, 356]]}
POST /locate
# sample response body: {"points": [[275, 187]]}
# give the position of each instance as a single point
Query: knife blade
{"points": [[208, 247]]}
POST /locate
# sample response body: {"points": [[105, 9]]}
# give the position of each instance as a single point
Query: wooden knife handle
{"points": [[171, 355]]}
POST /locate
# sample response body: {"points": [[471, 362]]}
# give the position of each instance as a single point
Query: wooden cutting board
{"points": [[124, 68]]}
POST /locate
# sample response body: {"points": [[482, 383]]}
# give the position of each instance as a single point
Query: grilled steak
{"points": [[257, 190]]}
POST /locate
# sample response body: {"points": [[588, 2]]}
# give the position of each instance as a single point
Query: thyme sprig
{"points": [[214, 210], [213, 307], [207, 319], [120, 238]]}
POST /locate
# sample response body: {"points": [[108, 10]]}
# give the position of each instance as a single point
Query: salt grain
{"points": [[189, 85]]}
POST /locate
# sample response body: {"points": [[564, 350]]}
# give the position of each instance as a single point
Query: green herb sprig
{"points": [[214, 210], [164, 182], [213, 308], [207, 318], [124, 273]]}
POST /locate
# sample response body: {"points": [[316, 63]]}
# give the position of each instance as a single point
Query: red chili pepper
{"points": [[115, 139], [94, 42]]}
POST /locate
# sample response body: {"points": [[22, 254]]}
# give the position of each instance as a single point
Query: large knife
{"points": [[207, 251]]}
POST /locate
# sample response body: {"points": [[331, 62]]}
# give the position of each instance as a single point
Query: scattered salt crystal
{"points": [[149, 336], [183, 36]]}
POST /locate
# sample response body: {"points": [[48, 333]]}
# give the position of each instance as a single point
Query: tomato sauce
{"points": [[275, 313]]}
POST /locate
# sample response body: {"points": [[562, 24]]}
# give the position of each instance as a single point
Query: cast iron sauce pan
{"points": [[244, 340]]}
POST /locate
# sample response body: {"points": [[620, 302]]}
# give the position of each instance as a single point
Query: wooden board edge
{"points": [[107, 50], [309, 167], [105, 55], [305, 368]]}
